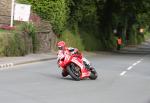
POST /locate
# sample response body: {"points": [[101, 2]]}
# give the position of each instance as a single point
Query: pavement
{"points": [[6, 62]]}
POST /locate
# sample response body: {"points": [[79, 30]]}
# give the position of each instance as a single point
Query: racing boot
{"points": [[88, 66]]}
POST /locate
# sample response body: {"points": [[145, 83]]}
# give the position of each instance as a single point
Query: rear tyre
{"points": [[93, 74], [74, 71]]}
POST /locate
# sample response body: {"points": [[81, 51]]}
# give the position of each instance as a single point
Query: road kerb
{"points": [[9, 65]]}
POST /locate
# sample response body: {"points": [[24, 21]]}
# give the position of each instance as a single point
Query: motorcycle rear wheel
{"points": [[74, 71]]}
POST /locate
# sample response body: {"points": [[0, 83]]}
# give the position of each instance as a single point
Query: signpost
{"points": [[22, 12], [19, 12], [12, 12]]}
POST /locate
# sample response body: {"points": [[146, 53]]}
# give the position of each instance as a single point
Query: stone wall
{"points": [[5, 11], [46, 37]]}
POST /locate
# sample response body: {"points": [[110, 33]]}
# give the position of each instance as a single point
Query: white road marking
{"points": [[138, 61], [141, 59], [121, 74], [130, 67], [134, 64]]}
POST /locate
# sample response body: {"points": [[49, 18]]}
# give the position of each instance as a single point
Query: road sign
{"points": [[22, 12]]}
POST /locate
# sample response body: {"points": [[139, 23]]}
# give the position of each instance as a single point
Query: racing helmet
{"points": [[61, 45]]}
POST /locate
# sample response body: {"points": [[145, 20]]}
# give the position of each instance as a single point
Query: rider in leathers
{"points": [[64, 50]]}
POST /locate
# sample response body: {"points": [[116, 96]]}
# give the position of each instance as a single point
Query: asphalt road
{"points": [[123, 78]]}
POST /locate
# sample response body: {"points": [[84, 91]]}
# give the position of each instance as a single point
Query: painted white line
{"points": [[141, 59], [121, 74], [134, 64], [129, 68], [138, 61]]}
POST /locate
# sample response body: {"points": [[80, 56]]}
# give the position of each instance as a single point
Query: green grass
{"points": [[2, 31]]}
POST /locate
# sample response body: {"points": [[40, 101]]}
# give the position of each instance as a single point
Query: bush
{"points": [[11, 44], [83, 41], [29, 32], [135, 36], [140, 38], [147, 35], [15, 46], [90, 42], [21, 41], [72, 40], [3, 42]]}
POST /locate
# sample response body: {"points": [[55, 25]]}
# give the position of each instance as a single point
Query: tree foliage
{"points": [[99, 17], [55, 11]]}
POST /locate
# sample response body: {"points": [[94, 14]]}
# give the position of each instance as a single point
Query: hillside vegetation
{"points": [[99, 17]]}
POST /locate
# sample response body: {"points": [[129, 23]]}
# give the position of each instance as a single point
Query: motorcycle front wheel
{"points": [[74, 71], [93, 74]]}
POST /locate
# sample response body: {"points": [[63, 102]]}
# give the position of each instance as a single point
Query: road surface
{"points": [[123, 78]]}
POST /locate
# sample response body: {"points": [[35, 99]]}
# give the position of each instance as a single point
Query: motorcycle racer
{"points": [[63, 51]]}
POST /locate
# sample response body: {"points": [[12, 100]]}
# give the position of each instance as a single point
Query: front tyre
{"points": [[93, 74], [64, 73], [74, 71]]}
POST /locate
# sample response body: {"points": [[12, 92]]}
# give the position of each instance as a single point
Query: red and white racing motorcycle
{"points": [[74, 66]]}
